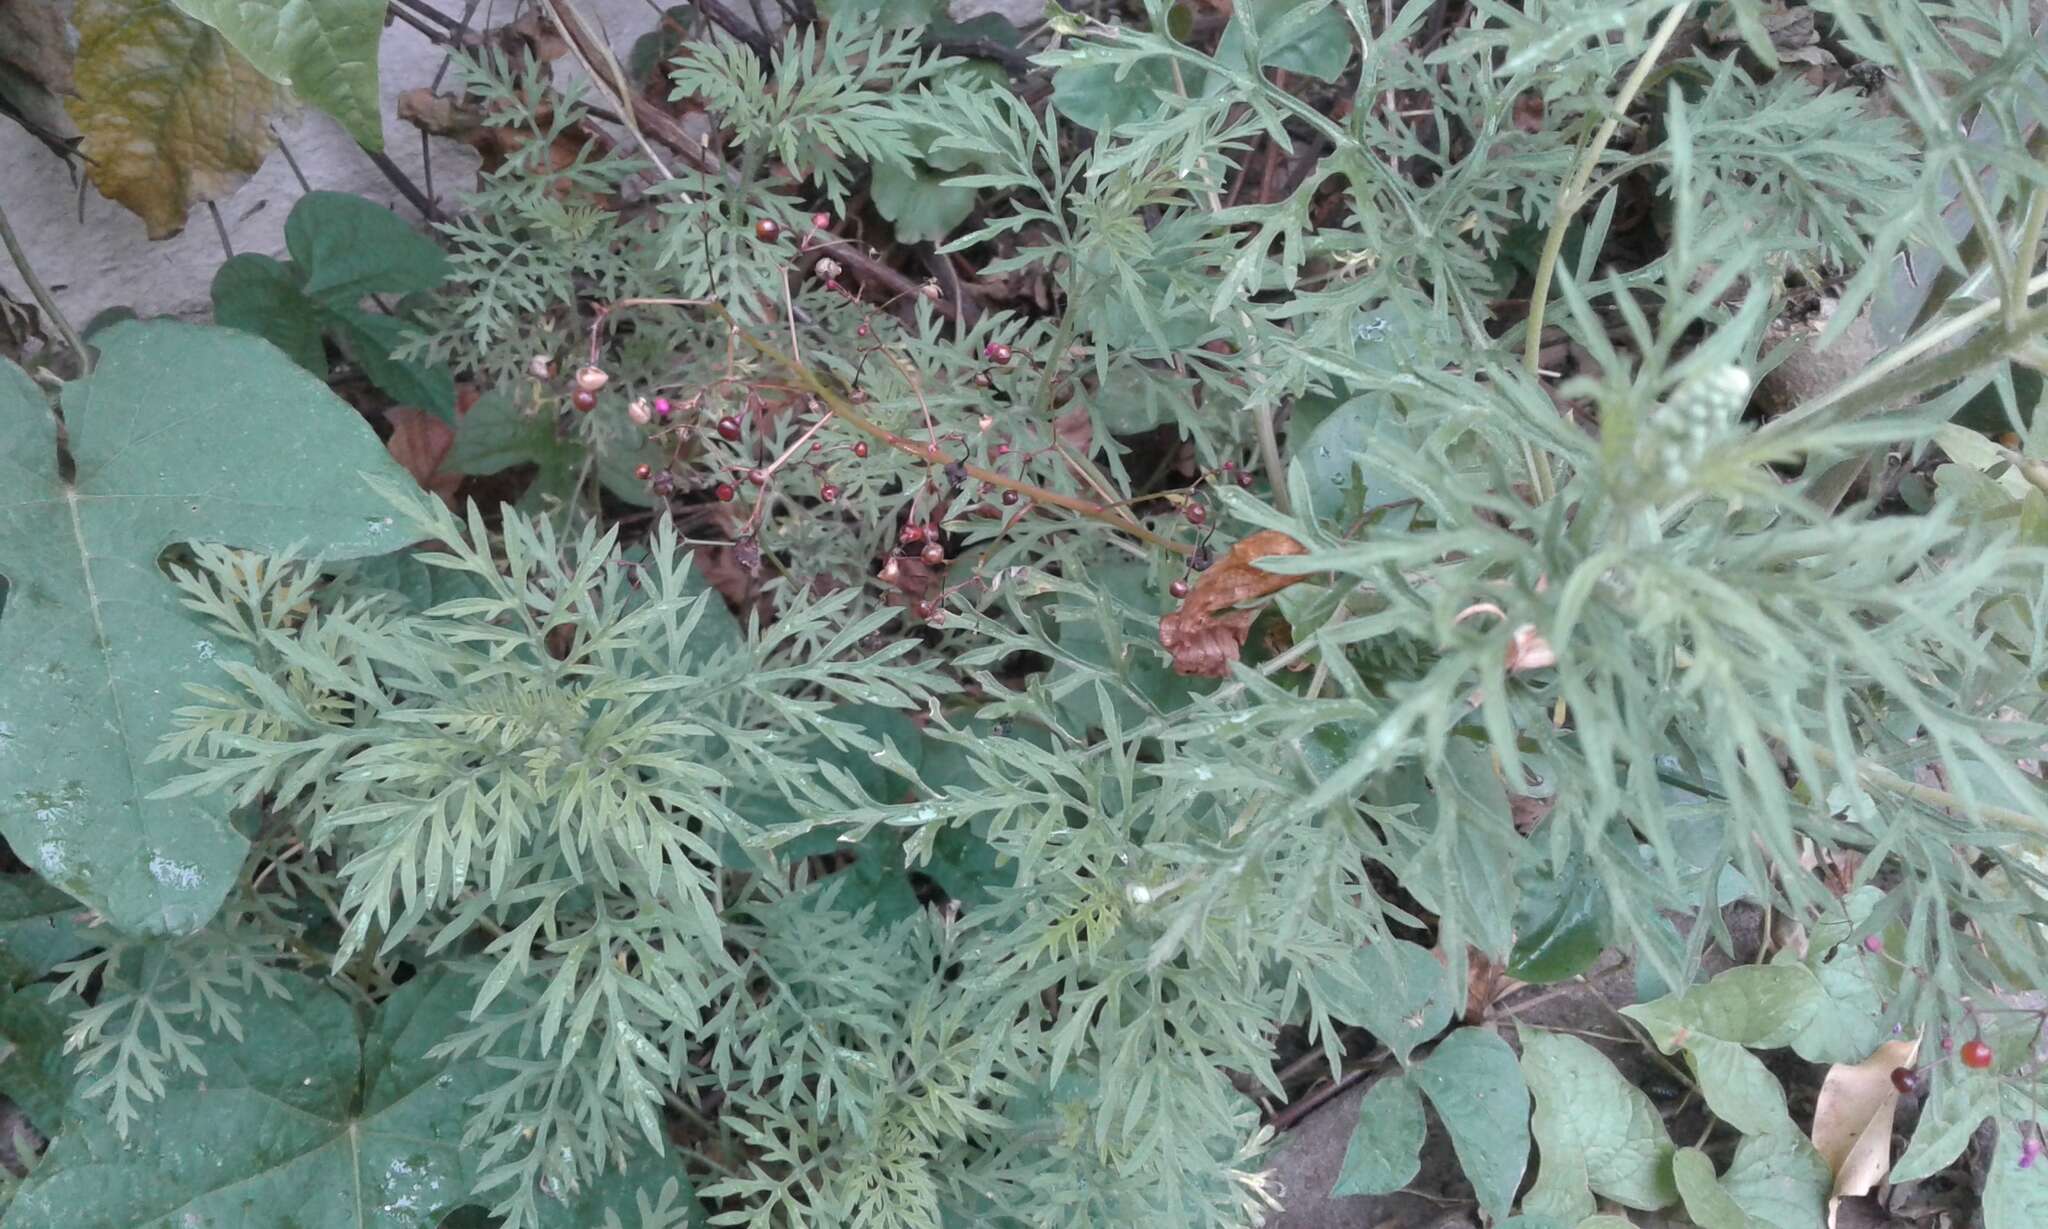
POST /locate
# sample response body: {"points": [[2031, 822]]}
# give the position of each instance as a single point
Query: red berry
{"points": [[934, 554], [767, 230], [912, 534], [1010, 498], [643, 471], [584, 401], [828, 492], [1178, 588], [1976, 1054], [923, 609], [729, 427], [1196, 514], [860, 448], [1906, 1080], [725, 492], [1244, 479], [996, 352], [759, 477]]}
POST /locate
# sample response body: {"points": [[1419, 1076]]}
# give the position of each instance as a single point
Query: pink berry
{"points": [[662, 408], [996, 352], [1873, 943]]}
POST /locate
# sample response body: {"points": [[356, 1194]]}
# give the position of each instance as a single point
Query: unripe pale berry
{"points": [[640, 412], [592, 378], [541, 367]]}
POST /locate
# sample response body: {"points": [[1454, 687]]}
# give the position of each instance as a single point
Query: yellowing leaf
{"points": [[169, 113], [323, 50], [1852, 1120]]}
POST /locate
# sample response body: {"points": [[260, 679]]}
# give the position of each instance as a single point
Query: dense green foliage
{"points": [[941, 884]]}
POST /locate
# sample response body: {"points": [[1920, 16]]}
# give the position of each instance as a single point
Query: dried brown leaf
{"points": [[1207, 634], [463, 119], [1852, 1120], [420, 442]]}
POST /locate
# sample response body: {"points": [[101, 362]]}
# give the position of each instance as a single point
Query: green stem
{"points": [[1893, 378], [1570, 201], [41, 293]]}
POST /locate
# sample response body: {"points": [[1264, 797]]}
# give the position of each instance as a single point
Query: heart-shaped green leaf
{"points": [[182, 434]]}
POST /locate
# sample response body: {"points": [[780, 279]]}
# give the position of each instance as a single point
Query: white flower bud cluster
{"points": [[1678, 434]]}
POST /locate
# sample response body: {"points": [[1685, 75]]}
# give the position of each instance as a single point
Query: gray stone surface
{"points": [[95, 255]]}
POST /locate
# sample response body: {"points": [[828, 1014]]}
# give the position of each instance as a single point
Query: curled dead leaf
{"points": [[1206, 634], [1852, 1120], [420, 442], [466, 120]]}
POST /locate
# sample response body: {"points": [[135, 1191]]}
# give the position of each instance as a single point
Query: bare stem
{"points": [[1572, 199], [41, 293]]}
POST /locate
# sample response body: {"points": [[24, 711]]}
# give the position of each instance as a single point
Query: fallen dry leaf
{"points": [[1852, 1120], [464, 119], [420, 442], [1205, 635]]}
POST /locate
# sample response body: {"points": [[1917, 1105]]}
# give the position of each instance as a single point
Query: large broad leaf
{"points": [[182, 434], [256, 294], [170, 114], [1595, 1128], [1774, 1182], [2014, 1198], [39, 929], [325, 51], [1476, 1086], [35, 1072], [1316, 43], [1386, 1148], [1763, 1006], [1401, 995], [343, 247], [350, 247], [304, 1122]]}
